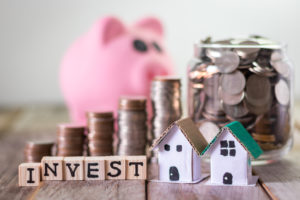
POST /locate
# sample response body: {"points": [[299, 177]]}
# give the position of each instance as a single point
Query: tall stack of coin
{"points": [[247, 80], [35, 151], [132, 126], [166, 103], [100, 133], [70, 140]]}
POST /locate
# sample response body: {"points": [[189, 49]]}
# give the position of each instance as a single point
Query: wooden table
{"points": [[279, 180]]}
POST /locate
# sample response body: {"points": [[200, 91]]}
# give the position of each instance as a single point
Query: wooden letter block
{"points": [[73, 168], [52, 168], [136, 167], [115, 167], [94, 168], [29, 174]]}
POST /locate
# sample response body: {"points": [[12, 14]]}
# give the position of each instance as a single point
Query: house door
{"points": [[227, 178], [174, 174]]}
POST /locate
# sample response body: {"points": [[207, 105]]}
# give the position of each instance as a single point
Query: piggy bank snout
{"points": [[144, 74]]}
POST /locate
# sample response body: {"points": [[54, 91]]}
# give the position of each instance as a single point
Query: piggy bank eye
{"points": [[156, 46], [139, 45]]}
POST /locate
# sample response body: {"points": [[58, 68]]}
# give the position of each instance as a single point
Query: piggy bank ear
{"points": [[152, 24], [110, 28]]}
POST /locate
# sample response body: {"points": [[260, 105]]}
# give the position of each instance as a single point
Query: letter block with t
{"points": [[52, 168], [73, 168], [29, 174], [136, 167], [115, 167], [94, 168]]}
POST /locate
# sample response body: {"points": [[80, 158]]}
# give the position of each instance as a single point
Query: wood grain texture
{"points": [[157, 190]]}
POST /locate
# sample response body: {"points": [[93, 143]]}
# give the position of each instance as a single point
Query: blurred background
{"points": [[35, 34]]}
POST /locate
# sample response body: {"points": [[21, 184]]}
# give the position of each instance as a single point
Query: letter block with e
{"points": [[94, 168], [29, 174], [52, 168]]}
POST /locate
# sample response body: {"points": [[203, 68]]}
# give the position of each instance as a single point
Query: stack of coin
{"points": [[166, 103], [245, 80], [100, 133], [132, 126], [35, 151], [70, 140]]}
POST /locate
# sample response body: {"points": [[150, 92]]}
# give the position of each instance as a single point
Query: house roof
{"points": [[242, 136], [189, 130]]}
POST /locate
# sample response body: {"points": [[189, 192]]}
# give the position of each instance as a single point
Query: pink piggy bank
{"points": [[112, 60]]}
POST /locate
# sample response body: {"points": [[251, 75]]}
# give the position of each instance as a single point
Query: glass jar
{"points": [[246, 80]]}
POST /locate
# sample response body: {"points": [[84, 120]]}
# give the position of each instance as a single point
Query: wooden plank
{"points": [[156, 190], [108, 189], [281, 179]]}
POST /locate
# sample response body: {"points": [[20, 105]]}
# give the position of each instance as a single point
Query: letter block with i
{"points": [[29, 174], [73, 168], [52, 168]]}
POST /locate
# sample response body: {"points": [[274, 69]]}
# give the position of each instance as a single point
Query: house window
{"points": [[167, 147], [179, 148], [227, 147]]}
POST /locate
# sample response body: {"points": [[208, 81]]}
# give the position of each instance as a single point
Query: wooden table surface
{"points": [[280, 180]]}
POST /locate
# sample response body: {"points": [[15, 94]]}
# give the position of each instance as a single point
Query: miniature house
{"points": [[179, 149], [230, 152]]}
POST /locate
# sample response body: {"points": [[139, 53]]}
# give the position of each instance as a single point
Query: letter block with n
{"points": [[52, 168]]}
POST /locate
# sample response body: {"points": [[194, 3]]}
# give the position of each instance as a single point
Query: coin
{"points": [[70, 139], [101, 130], [132, 126], [233, 83], [35, 150], [236, 111], [282, 92], [227, 62], [258, 90], [261, 100], [232, 99], [209, 130]]}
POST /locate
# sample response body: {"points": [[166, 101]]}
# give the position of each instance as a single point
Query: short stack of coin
{"points": [[132, 126], [166, 103], [100, 133], [70, 140], [247, 80], [35, 151]]}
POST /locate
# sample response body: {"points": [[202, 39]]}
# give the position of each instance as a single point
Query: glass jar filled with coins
{"points": [[247, 80]]}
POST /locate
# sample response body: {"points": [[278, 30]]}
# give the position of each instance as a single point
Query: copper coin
{"points": [[233, 83], [258, 90], [100, 114], [282, 92], [132, 103], [99, 136], [258, 110], [263, 138], [227, 62]]}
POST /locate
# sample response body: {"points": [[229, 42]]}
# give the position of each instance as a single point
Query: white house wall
{"points": [[196, 166], [182, 160], [236, 165]]}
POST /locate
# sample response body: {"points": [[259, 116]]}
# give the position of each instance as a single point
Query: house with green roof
{"points": [[230, 153]]}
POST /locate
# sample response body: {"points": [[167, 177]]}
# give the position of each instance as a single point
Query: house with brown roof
{"points": [[179, 148]]}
